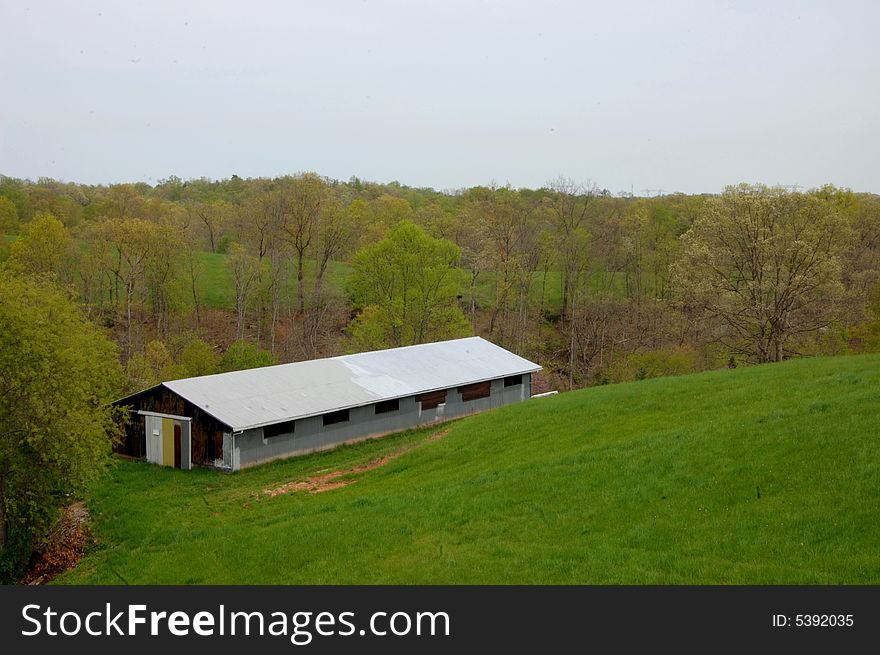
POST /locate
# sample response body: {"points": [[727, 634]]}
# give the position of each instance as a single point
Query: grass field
{"points": [[761, 475], [218, 290]]}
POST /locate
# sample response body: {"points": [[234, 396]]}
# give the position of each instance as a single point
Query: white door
{"points": [[154, 439]]}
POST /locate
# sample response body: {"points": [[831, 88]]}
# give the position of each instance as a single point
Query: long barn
{"points": [[235, 420]]}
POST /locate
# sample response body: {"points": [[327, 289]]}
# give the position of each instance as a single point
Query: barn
{"points": [[235, 420]]}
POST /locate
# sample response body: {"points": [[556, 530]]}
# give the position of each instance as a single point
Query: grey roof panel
{"points": [[262, 396]]}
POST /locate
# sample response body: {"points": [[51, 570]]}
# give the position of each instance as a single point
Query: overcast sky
{"points": [[685, 96]]}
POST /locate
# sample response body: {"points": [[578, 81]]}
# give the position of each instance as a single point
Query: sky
{"points": [[643, 97]]}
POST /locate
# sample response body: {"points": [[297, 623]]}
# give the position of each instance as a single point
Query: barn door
{"points": [[153, 428], [177, 445]]}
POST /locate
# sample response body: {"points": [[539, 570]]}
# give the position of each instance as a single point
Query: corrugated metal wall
{"points": [[310, 434]]}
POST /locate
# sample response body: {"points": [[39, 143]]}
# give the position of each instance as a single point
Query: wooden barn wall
{"points": [[134, 440], [207, 432]]}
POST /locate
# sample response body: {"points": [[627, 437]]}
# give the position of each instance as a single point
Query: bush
{"points": [[653, 364]]}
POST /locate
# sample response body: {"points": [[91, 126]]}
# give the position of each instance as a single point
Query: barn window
{"points": [[277, 429], [335, 417], [432, 399], [475, 391], [513, 381], [387, 406]]}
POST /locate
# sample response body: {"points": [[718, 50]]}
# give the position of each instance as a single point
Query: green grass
{"points": [[551, 288], [761, 475], [218, 289], [215, 284]]}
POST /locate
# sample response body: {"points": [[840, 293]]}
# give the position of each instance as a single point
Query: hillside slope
{"points": [[762, 475]]}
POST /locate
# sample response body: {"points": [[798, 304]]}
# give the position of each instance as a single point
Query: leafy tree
{"points": [[17, 192], [156, 363], [63, 201], [8, 217], [150, 367], [164, 266], [648, 244], [407, 285], [245, 354], [122, 201], [767, 263], [42, 248], [197, 357], [58, 374]]}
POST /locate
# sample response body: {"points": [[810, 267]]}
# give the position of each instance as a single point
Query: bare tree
{"points": [[305, 197], [332, 236], [212, 215], [569, 207], [245, 275], [133, 240]]}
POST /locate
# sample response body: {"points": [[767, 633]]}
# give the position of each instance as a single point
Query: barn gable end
{"points": [[206, 431]]}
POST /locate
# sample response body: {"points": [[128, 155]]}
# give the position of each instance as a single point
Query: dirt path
{"points": [[328, 481]]}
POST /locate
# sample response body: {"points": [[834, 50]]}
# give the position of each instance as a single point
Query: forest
{"points": [[191, 277]]}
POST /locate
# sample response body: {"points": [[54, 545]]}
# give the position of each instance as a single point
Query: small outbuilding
{"points": [[235, 420]]}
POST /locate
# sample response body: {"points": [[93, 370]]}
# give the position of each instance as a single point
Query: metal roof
{"points": [[262, 396]]}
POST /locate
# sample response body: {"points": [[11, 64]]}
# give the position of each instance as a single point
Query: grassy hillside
{"points": [[762, 475]]}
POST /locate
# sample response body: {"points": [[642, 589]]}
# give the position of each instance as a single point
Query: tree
{"points": [[163, 271], [245, 354], [132, 241], [192, 263], [507, 237], [197, 357], [17, 191], [305, 200], [407, 285], [259, 227], [42, 248], [767, 263], [245, 270], [57, 378], [122, 201], [569, 207], [213, 216], [332, 235], [8, 216], [150, 367]]}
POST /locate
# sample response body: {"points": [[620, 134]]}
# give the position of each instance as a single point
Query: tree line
{"points": [[597, 287]]}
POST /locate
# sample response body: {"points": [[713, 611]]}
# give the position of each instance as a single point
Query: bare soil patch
{"points": [[335, 479]]}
